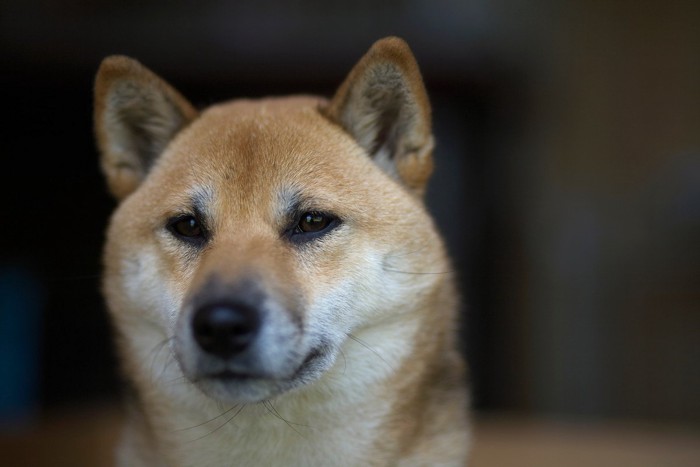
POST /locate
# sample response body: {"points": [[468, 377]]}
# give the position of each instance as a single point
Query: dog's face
{"points": [[257, 237]]}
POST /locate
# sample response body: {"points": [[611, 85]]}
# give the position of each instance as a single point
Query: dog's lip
{"points": [[228, 375], [314, 354], [243, 376]]}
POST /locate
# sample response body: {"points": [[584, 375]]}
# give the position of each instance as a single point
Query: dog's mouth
{"points": [[308, 365]]}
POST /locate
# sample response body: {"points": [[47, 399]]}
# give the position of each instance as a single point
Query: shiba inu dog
{"points": [[280, 295]]}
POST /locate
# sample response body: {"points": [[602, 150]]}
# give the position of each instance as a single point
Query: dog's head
{"points": [[259, 236]]}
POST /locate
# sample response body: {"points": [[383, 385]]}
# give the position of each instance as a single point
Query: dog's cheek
{"points": [[348, 294], [151, 291]]}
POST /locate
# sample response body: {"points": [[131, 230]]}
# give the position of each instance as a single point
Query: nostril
{"points": [[224, 329]]}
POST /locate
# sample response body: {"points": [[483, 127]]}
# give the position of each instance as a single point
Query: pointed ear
{"points": [[384, 106], [136, 116]]}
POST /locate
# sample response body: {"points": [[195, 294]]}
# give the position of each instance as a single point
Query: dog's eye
{"points": [[312, 225], [187, 228], [313, 222]]}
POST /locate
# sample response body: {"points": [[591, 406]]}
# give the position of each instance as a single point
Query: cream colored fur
{"points": [[356, 359]]}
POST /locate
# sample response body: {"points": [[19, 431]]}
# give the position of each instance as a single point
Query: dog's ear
{"points": [[383, 105], [136, 116]]}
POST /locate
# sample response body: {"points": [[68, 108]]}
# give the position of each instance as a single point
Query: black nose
{"points": [[225, 329]]}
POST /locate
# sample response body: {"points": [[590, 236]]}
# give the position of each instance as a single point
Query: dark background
{"points": [[567, 182]]}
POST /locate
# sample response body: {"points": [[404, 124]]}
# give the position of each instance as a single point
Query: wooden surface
{"points": [[85, 438], [502, 441]]}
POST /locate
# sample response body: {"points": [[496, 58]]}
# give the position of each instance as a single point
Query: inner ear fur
{"points": [[384, 106], [136, 115]]}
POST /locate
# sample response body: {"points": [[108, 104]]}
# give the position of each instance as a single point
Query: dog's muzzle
{"points": [[237, 342]]}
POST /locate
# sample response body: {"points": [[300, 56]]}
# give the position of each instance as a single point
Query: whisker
{"points": [[170, 362], [155, 353], [220, 426], [387, 261], [406, 253], [271, 408], [345, 361], [208, 421], [367, 346], [179, 379]]}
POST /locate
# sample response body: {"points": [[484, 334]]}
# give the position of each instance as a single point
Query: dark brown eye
{"points": [[312, 222], [311, 225], [187, 228]]}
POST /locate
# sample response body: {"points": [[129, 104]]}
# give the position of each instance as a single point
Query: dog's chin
{"points": [[237, 387]]}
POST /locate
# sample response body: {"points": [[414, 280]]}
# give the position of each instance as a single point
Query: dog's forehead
{"points": [[270, 136], [255, 151]]}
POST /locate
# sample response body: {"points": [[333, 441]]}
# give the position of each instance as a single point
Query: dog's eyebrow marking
{"points": [[200, 200], [293, 202], [290, 203]]}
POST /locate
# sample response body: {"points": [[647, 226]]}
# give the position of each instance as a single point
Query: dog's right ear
{"points": [[136, 115]]}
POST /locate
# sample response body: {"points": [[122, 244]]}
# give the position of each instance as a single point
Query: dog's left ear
{"points": [[384, 106]]}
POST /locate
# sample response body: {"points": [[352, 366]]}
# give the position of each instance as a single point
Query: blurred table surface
{"points": [[85, 437]]}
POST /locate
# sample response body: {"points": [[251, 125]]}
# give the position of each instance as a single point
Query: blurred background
{"points": [[567, 181]]}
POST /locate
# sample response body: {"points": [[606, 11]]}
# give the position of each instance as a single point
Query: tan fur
{"points": [[375, 293]]}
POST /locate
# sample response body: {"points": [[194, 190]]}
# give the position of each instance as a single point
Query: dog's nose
{"points": [[225, 329]]}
